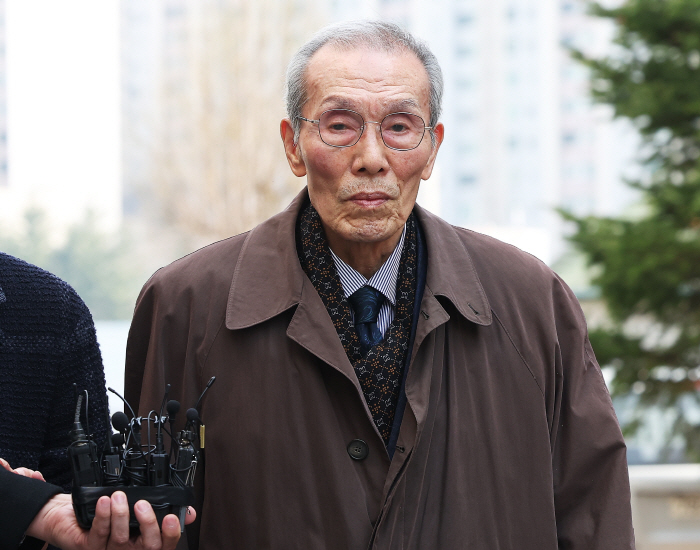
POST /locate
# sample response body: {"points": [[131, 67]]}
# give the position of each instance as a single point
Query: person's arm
{"points": [[30, 506], [56, 523], [21, 498], [591, 481], [157, 353]]}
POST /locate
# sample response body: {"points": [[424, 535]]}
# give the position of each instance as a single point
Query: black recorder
{"points": [[134, 460]]}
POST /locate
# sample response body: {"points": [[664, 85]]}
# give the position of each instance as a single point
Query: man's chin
{"points": [[372, 231]]}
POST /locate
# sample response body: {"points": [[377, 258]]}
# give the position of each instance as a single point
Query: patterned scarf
{"points": [[380, 371]]}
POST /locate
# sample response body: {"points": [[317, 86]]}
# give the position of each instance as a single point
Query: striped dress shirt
{"points": [[384, 280]]}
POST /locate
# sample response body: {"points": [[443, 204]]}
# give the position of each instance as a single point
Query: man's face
{"points": [[363, 193]]}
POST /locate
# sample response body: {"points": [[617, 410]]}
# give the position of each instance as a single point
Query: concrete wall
{"points": [[666, 506]]}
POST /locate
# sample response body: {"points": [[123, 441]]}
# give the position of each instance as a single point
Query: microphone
{"points": [[192, 421], [173, 407], [159, 422], [133, 415], [160, 462], [83, 453], [114, 448], [196, 409], [211, 381], [165, 397], [120, 422], [112, 459], [183, 473], [77, 433], [129, 460], [192, 416]]}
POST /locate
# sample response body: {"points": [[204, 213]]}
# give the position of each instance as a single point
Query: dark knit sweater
{"points": [[47, 342]]}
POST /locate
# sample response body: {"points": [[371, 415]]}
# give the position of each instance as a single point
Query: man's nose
{"points": [[370, 150]]}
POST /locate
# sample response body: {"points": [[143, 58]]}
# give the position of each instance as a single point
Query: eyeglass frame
{"points": [[364, 123]]}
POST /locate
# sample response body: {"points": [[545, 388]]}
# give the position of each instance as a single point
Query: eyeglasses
{"points": [[344, 128]]}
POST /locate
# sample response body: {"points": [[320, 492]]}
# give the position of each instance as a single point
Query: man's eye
{"points": [[397, 128], [337, 126]]}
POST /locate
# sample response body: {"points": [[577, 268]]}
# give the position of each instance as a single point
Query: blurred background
{"points": [[132, 133]]}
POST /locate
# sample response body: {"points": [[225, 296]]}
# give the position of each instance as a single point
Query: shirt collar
{"points": [[384, 280]]}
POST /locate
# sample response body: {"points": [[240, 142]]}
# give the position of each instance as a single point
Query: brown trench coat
{"points": [[509, 439]]}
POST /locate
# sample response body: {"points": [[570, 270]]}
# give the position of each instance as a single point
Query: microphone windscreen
{"points": [[117, 440], [192, 415], [172, 407], [120, 421]]}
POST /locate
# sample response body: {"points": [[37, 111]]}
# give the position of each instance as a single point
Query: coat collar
{"points": [[268, 278], [451, 272]]}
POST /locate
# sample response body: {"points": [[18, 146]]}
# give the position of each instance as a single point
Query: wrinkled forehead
{"points": [[339, 76]]}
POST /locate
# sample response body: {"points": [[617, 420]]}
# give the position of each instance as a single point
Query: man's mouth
{"points": [[370, 199]]}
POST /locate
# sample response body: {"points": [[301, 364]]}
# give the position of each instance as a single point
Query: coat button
{"points": [[358, 449]]}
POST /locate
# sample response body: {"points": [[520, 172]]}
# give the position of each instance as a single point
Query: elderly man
{"points": [[385, 380]]}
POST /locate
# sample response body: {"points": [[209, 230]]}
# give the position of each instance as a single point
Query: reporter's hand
{"points": [[56, 524], [22, 471]]}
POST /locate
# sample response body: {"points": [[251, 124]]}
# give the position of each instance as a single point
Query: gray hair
{"points": [[377, 35]]}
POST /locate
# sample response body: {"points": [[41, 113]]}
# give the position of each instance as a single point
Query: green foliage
{"points": [[648, 268], [101, 268]]}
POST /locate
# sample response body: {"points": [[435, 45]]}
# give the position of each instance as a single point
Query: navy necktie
{"points": [[366, 302]]}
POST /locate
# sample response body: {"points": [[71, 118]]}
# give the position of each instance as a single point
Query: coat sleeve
{"points": [[47, 343], [21, 498], [591, 480]]}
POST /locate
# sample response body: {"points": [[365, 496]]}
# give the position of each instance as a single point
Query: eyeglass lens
{"points": [[342, 128]]}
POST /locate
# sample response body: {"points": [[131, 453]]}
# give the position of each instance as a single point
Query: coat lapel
{"points": [[451, 272], [268, 279], [451, 275], [312, 328]]}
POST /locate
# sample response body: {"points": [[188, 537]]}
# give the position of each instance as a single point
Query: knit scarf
{"points": [[380, 371]]}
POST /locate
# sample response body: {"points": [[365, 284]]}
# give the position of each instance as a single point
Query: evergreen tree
{"points": [[648, 267]]}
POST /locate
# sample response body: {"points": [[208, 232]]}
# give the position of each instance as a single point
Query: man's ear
{"points": [[439, 133], [291, 149]]}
